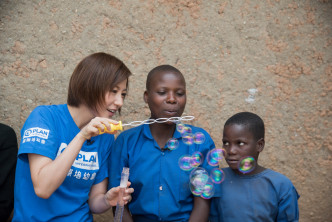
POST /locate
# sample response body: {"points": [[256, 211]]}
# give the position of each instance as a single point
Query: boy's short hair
{"points": [[252, 121], [95, 75], [158, 69]]}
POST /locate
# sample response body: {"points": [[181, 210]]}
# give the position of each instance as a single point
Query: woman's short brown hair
{"points": [[95, 75]]}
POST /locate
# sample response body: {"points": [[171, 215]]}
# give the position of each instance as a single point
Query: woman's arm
{"points": [[98, 201], [201, 210], [47, 174]]}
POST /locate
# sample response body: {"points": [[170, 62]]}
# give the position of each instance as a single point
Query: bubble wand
{"points": [[115, 127], [120, 203]]}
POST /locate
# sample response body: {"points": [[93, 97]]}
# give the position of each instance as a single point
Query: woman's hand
{"points": [[111, 197], [96, 126]]}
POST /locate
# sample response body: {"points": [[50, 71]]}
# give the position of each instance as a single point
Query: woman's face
{"points": [[113, 100]]}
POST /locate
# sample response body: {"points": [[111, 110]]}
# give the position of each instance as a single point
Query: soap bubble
{"points": [[172, 143], [180, 127], [197, 191], [217, 175], [247, 164], [208, 190], [199, 138], [185, 162], [187, 129], [215, 155], [188, 138], [198, 179], [196, 159]]}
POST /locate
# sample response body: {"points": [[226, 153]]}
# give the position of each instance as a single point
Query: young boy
{"points": [[161, 187], [259, 195]]}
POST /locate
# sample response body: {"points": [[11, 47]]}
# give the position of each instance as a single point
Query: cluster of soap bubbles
{"points": [[202, 182], [189, 162], [188, 137]]}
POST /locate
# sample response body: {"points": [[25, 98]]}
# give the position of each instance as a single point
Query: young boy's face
{"points": [[166, 96], [239, 142]]}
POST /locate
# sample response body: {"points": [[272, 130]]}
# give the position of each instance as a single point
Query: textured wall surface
{"points": [[270, 57]]}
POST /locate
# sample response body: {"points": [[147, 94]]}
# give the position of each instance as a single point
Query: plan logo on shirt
{"points": [[84, 160], [87, 161], [36, 132]]}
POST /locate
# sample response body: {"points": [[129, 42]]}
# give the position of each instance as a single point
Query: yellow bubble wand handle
{"points": [[113, 128]]}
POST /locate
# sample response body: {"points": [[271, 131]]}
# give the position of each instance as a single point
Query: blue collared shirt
{"points": [[162, 190]]}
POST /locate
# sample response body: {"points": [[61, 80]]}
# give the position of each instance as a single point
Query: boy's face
{"points": [[167, 95], [239, 142]]}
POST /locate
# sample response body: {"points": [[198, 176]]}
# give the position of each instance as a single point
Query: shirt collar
{"points": [[146, 131]]}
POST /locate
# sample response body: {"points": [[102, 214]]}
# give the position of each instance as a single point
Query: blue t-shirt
{"points": [[161, 187], [266, 196], [48, 131]]}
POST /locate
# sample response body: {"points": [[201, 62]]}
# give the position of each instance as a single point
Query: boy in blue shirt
{"points": [[253, 193], [161, 187]]}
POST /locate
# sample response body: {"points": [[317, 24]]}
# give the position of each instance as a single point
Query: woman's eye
{"points": [[124, 95], [114, 91]]}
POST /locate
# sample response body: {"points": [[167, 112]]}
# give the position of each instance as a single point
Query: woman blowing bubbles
{"points": [[62, 169]]}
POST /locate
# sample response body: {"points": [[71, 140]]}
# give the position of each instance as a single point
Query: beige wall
{"points": [[281, 48]]}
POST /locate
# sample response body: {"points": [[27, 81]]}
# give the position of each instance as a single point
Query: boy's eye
{"points": [[226, 143], [241, 143], [161, 93]]}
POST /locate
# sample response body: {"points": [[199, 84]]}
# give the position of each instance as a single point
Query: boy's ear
{"points": [[145, 96], [260, 145]]}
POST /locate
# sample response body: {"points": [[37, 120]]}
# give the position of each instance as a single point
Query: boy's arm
{"points": [[201, 210]]}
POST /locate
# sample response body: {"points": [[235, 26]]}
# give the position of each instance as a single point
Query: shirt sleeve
{"points": [[39, 134], [288, 210]]}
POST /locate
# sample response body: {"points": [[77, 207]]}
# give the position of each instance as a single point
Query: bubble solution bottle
{"points": [[120, 203]]}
